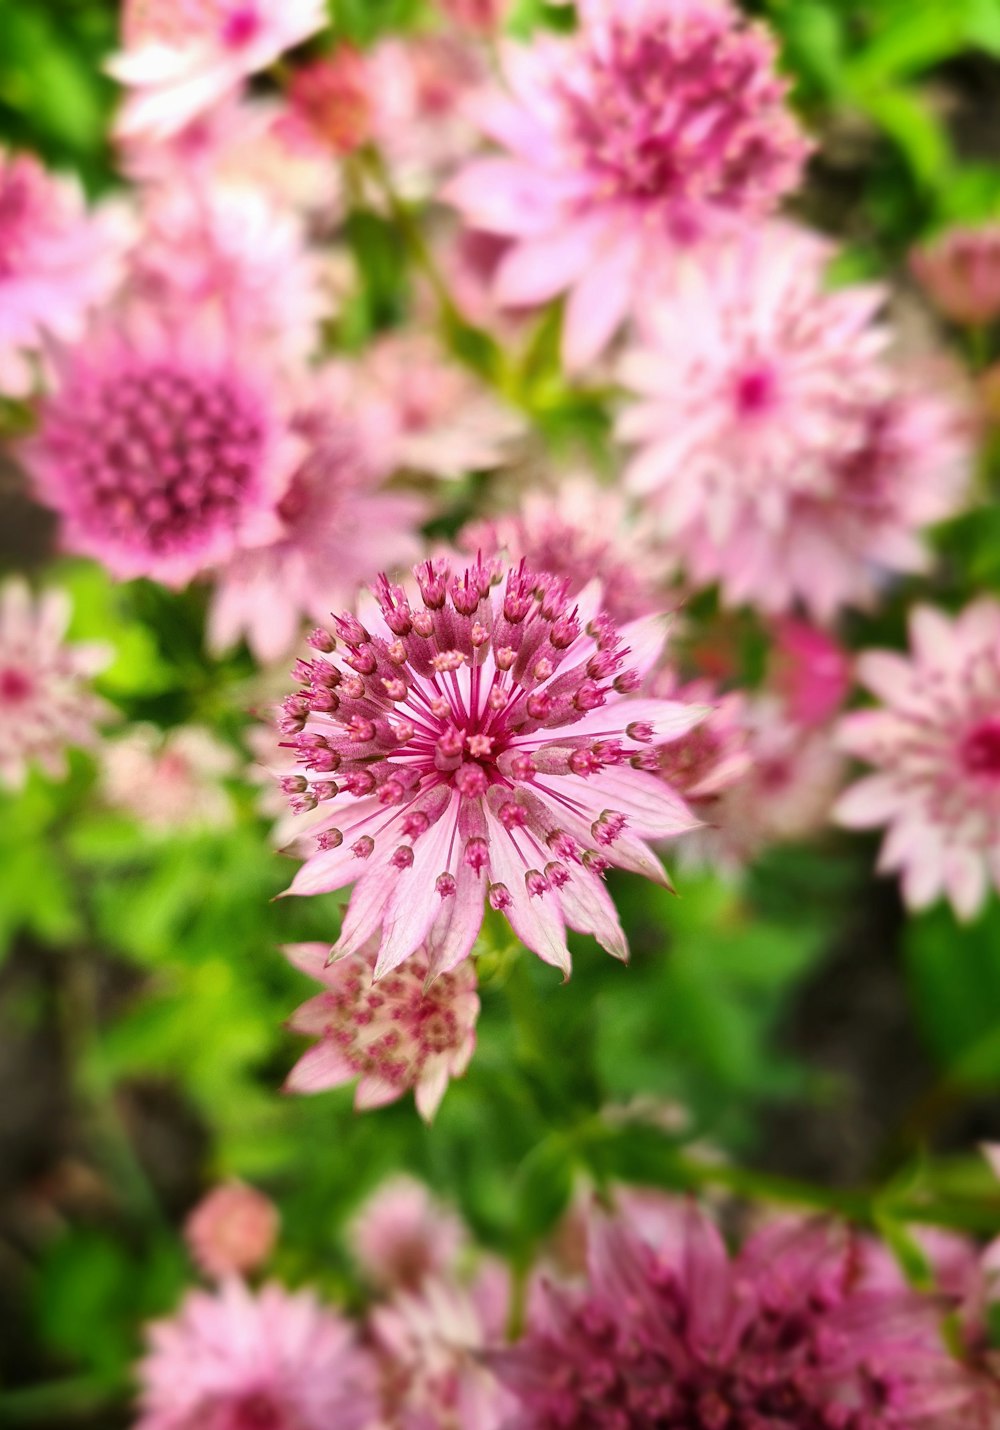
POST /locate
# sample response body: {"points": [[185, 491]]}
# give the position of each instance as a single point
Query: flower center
{"points": [[256, 1411], [15, 686], [980, 750], [241, 26], [756, 391]]}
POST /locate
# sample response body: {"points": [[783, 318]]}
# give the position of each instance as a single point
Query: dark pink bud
{"points": [[330, 839], [640, 730], [362, 848], [523, 767], [403, 857], [588, 697], [512, 816], [445, 885], [499, 897], [359, 782], [627, 682], [471, 781], [536, 883], [557, 874], [539, 705], [584, 762], [415, 823], [477, 854], [321, 640]]}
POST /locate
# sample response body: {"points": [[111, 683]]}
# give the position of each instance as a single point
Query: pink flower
{"points": [[580, 533], [169, 781], [785, 460], [45, 702], [401, 1237], [161, 457], [812, 674], [57, 263], [935, 742], [476, 15], [714, 755], [182, 56], [334, 96], [960, 273], [482, 744], [338, 528], [232, 1360], [398, 1034], [670, 1333], [659, 125], [232, 1230]]}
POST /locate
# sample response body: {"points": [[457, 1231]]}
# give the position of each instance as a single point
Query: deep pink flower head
{"points": [[481, 743], [334, 96], [935, 742], [580, 533], [338, 528], [233, 1360], [960, 273], [182, 56], [661, 123], [811, 671], [402, 1236], [783, 456], [45, 702], [161, 459], [57, 263], [671, 1334], [399, 1034], [232, 1230]]}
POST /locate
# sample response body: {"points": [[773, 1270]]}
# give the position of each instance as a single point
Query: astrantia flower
{"points": [[936, 744], [784, 458], [660, 123], [960, 273], [57, 262], [714, 755], [811, 672], [399, 1034], [45, 703], [334, 97], [580, 533], [338, 528], [671, 1334], [169, 781], [232, 1360], [160, 459], [402, 1236], [232, 1230], [481, 744], [182, 56]]}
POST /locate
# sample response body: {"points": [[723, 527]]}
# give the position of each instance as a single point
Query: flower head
{"points": [[784, 458], [669, 1333], [661, 123], [334, 97], [232, 1230], [481, 743], [935, 742], [182, 56], [812, 672], [402, 1236], [169, 781], [45, 703], [398, 1034], [232, 1360], [161, 460], [57, 263], [960, 273]]}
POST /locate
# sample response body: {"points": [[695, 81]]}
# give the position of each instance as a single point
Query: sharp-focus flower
{"points": [[181, 57], [935, 741], [57, 263], [169, 781], [45, 702], [232, 1360], [232, 1230], [660, 124], [482, 744], [784, 458], [670, 1334], [402, 1237], [399, 1034], [960, 273], [338, 528], [580, 533], [162, 460]]}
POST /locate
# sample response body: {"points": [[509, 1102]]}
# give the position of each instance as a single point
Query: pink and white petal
{"points": [[364, 913], [599, 304], [885, 673], [505, 197], [589, 908], [869, 803], [535, 918], [456, 928], [308, 958], [539, 268], [431, 1088], [332, 869], [414, 902], [923, 878], [965, 881], [312, 1019], [652, 808], [374, 1091], [323, 1066]]}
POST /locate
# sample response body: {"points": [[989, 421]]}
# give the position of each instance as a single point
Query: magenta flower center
{"points": [[159, 455], [20, 217], [756, 391], [15, 686], [241, 26], [256, 1411], [980, 750]]}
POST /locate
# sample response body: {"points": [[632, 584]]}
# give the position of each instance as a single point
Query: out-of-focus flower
{"points": [[181, 57], [338, 527], [232, 1230], [400, 1034], [169, 781], [811, 672], [430, 1345], [784, 458], [483, 744], [427, 413], [659, 125], [581, 532], [714, 755], [225, 254], [481, 16], [45, 702], [960, 273], [935, 741], [471, 258], [402, 1237], [57, 263], [672, 1333], [232, 1360], [161, 456], [334, 97]]}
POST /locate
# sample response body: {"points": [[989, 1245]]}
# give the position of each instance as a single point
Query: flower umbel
{"points": [[481, 743]]}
